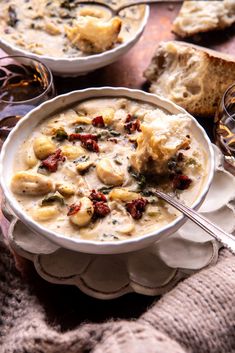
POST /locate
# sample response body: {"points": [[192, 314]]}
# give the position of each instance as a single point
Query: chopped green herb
{"points": [[42, 170], [53, 198], [105, 133], [82, 159], [140, 178], [191, 161], [115, 133], [117, 160], [147, 193], [152, 200], [79, 129], [141, 182], [150, 194], [105, 190], [12, 20], [61, 134], [67, 4]]}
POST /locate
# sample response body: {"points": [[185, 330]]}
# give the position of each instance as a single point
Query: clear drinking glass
{"points": [[24, 84], [225, 126]]}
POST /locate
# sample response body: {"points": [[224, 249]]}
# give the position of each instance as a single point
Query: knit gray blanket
{"points": [[198, 315]]}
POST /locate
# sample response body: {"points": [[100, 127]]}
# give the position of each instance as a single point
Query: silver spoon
{"points": [[226, 239], [116, 9]]}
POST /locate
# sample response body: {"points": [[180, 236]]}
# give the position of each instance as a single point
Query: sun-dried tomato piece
{"points": [[98, 121], [136, 207], [132, 126], [181, 182], [137, 125], [74, 208], [91, 145], [101, 209], [96, 196], [52, 161], [128, 118], [89, 141], [73, 137], [83, 137], [112, 139]]}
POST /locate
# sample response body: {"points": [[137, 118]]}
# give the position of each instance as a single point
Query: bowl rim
{"points": [[18, 51], [95, 246]]}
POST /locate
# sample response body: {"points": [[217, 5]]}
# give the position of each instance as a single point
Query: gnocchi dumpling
{"points": [[84, 215], [72, 151], [153, 211], [82, 120], [52, 29], [109, 173], [122, 194], [65, 189], [107, 114], [34, 184], [29, 157], [127, 226], [45, 213], [83, 167], [43, 147]]}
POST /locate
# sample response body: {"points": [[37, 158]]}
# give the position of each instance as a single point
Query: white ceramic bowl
{"points": [[80, 65], [28, 123]]}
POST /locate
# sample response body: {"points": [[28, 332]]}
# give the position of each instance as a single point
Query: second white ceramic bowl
{"points": [[80, 65], [29, 122]]}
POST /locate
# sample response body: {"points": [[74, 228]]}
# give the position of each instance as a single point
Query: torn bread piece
{"points": [[204, 16], [191, 76], [161, 137], [94, 35]]}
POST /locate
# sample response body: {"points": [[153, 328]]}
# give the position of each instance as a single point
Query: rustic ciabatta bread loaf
{"points": [[203, 16], [191, 76]]}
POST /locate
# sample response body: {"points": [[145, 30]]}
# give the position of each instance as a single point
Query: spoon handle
{"points": [[226, 239], [143, 2]]}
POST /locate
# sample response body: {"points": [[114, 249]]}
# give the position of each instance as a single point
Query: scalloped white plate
{"points": [[152, 271], [24, 129]]}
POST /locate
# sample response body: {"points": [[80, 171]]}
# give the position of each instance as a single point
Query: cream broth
{"points": [[100, 142], [42, 26]]}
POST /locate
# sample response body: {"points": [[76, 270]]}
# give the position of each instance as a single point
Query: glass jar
{"points": [[225, 126], [24, 84]]}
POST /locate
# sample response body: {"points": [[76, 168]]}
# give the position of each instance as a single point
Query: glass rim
{"points": [[41, 63], [223, 99]]}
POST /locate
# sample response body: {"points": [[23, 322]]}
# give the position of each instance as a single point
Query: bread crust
{"points": [[191, 76], [203, 16]]}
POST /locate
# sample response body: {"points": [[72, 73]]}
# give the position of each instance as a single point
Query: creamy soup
{"points": [[62, 28], [90, 171]]}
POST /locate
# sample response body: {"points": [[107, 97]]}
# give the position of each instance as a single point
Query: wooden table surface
{"points": [[128, 72]]}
